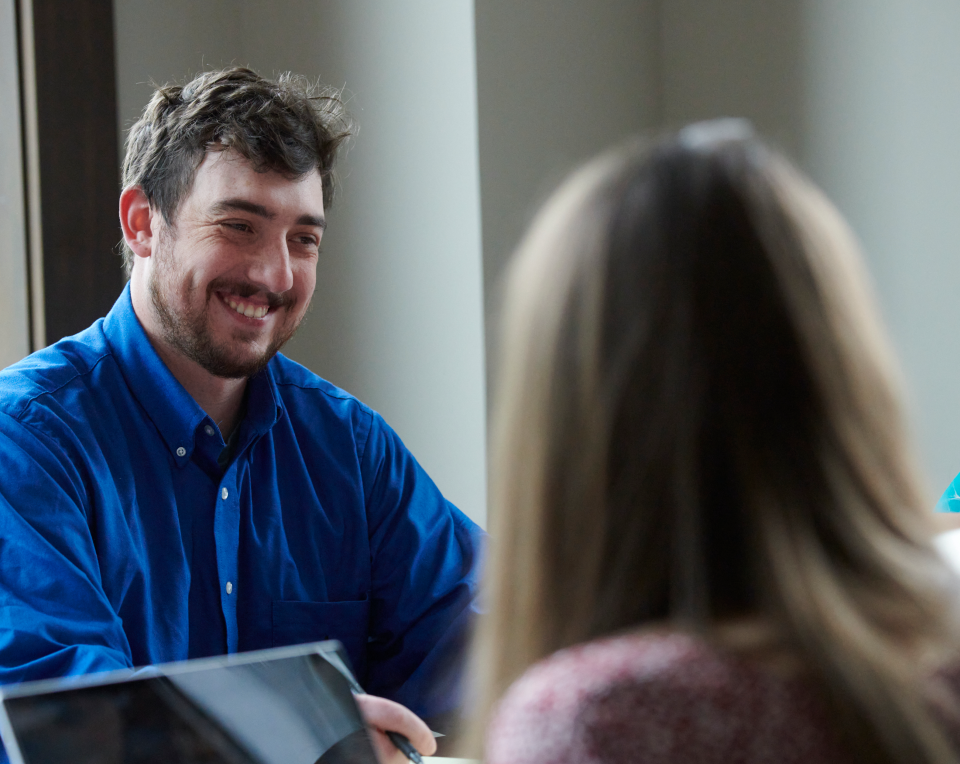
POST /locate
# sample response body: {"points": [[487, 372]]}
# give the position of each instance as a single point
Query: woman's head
{"points": [[697, 416]]}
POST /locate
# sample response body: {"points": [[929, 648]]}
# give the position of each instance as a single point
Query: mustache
{"points": [[246, 289]]}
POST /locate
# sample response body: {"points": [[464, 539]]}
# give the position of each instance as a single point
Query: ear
{"points": [[137, 221]]}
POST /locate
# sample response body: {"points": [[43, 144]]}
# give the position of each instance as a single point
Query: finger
{"points": [[384, 714], [387, 752]]}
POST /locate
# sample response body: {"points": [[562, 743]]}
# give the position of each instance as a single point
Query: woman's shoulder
{"points": [[564, 679], [655, 697]]}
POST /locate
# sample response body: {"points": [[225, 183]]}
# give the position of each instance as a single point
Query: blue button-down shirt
{"points": [[124, 543]]}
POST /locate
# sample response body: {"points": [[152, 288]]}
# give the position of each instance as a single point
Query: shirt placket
{"points": [[226, 527]]}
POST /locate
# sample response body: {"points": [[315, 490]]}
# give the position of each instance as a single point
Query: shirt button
{"points": [[224, 493], [181, 451], [208, 429], [229, 588]]}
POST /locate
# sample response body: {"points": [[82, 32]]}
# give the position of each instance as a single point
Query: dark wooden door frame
{"points": [[78, 168]]}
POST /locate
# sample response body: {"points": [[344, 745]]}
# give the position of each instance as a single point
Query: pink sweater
{"points": [[663, 698]]}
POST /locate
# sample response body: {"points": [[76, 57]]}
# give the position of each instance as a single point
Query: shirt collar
{"points": [[176, 415], [264, 407]]}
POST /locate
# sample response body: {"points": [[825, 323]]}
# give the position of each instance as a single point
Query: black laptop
{"points": [[282, 706]]}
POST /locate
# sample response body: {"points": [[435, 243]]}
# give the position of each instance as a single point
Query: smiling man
{"points": [[224, 287], [176, 488]]}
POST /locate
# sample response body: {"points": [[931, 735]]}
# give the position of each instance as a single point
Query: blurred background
{"points": [[470, 113]]}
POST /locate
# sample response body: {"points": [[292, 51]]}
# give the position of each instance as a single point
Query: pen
{"points": [[405, 746], [400, 740]]}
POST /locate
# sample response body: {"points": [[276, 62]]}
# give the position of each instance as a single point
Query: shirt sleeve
{"points": [[425, 556], [55, 619]]}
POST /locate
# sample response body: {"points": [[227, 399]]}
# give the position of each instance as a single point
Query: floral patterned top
{"points": [[658, 698]]}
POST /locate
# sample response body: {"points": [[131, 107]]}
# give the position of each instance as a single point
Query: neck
{"points": [[220, 398]]}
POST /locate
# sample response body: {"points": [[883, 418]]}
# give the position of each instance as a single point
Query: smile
{"points": [[246, 309]]}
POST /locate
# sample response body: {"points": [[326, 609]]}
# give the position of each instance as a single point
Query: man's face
{"points": [[232, 277]]}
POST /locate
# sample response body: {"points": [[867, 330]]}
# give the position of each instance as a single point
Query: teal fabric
{"points": [[950, 501]]}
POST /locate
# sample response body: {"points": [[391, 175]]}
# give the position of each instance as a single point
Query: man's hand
{"points": [[381, 715]]}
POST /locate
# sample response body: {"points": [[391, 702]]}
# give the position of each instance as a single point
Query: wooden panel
{"points": [[79, 168]]}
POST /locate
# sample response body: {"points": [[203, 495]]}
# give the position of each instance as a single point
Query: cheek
{"points": [[305, 280], [217, 249]]}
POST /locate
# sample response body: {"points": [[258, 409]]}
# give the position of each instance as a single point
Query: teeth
{"points": [[250, 311]]}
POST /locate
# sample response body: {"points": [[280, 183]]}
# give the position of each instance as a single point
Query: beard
{"points": [[187, 331]]}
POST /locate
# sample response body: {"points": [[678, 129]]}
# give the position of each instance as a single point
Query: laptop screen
{"points": [[270, 707]]}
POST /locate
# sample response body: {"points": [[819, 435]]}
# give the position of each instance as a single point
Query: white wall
{"points": [[397, 316], [882, 105], [14, 326]]}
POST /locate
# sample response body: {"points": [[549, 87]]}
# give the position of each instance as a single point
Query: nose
{"points": [[271, 267]]}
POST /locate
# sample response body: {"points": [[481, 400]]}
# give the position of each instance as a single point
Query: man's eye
{"points": [[243, 227]]}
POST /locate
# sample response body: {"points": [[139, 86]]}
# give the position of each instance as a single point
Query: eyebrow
{"points": [[243, 205]]}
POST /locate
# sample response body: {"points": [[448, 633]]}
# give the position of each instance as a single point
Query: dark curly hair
{"points": [[289, 126]]}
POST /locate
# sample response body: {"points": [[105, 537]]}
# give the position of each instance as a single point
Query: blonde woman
{"points": [[710, 543]]}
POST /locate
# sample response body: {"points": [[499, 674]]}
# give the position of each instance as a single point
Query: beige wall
{"points": [[734, 58], [863, 93], [169, 40], [14, 327], [557, 81]]}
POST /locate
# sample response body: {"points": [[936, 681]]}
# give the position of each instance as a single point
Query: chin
{"points": [[234, 368]]}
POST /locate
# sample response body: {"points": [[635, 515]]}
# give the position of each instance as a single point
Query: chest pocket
{"points": [[295, 623]]}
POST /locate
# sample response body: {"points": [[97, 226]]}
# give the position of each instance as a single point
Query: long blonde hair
{"points": [[698, 421]]}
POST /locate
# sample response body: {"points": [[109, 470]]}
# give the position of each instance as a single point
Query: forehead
{"points": [[227, 175]]}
